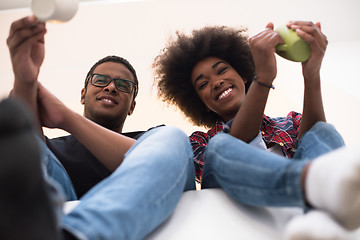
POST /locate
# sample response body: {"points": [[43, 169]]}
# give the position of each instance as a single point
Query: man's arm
{"points": [[107, 146], [26, 46]]}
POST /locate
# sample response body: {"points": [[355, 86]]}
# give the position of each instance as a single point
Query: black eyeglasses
{"points": [[123, 85]]}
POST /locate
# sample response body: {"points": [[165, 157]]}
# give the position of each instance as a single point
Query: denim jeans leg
{"points": [[58, 185], [320, 139], [141, 193], [55, 171], [250, 175]]}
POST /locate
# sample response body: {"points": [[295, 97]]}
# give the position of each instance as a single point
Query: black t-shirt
{"points": [[83, 168]]}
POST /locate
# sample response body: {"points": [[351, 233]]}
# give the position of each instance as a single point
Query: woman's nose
{"points": [[217, 83]]}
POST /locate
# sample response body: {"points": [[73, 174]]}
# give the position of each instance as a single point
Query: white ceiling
{"points": [[14, 4]]}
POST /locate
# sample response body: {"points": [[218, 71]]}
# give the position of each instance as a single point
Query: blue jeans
{"points": [[55, 174], [141, 193], [256, 177]]}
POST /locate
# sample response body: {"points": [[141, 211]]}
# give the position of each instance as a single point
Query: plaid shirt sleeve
{"points": [[282, 131], [199, 141]]}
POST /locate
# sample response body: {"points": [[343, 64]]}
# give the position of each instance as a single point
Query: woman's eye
{"points": [[202, 85], [222, 70]]}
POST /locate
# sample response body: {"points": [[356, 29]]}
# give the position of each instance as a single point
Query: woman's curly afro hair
{"points": [[174, 65]]}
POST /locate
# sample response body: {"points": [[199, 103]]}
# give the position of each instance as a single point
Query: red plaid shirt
{"points": [[282, 131]]}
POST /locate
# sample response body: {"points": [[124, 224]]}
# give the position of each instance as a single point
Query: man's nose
{"points": [[110, 88]]}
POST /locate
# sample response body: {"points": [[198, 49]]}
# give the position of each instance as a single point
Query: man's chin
{"points": [[107, 119]]}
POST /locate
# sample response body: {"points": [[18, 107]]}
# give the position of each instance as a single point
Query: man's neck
{"points": [[115, 127]]}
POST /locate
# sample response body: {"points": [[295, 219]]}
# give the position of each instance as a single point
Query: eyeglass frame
{"points": [[90, 78]]}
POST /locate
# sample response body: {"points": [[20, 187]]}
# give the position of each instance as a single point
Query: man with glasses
{"points": [[114, 82], [136, 198], [108, 97]]}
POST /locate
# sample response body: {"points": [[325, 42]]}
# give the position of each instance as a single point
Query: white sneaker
{"points": [[315, 225]]}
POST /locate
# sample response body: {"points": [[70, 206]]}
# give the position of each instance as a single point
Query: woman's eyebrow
{"points": [[215, 65], [198, 78], [201, 75]]}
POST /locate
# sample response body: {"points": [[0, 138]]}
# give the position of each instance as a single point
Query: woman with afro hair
{"points": [[220, 79]]}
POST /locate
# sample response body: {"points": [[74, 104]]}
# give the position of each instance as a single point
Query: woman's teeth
{"points": [[225, 93]]}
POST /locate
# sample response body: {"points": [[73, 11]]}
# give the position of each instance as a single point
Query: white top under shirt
{"points": [[258, 142]]}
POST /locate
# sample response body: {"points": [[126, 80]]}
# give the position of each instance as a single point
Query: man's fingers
{"points": [[26, 35]]}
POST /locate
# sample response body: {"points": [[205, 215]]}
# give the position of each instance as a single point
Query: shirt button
{"points": [[262, 132], [281, 144]]}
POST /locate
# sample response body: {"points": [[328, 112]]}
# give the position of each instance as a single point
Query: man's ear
{"points": [[82, 99], [132, 107]]}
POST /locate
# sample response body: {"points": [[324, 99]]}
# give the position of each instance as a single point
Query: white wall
{"points": [[138, 30]]}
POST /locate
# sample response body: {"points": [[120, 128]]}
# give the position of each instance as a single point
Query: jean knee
{"points": [[170, 142], [320, 139], [172, 131], [219, 141], [323, 128], [327, 132], [168, 132], [211, 158], [216, 145], [176, 138]]}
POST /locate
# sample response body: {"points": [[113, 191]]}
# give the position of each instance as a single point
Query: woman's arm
{"points": [[247, 122], [313, 109]]}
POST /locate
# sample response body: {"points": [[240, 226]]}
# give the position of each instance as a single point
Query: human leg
{"points": [[141, 193], [333, 185], [251, 175], [320, 139], [333, 166], [55, 172], [27, 210], [256, 177]]}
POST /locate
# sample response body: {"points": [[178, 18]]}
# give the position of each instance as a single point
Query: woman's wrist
{"points": [[263, 83]]}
